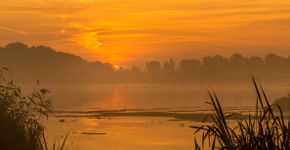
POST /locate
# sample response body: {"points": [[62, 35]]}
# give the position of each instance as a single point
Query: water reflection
{"points": [[122, 132], [125, 133], [155, 96]]}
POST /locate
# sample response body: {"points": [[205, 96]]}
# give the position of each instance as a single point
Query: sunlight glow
{"points": [[116, 67], [90, 40], [126, 31]]}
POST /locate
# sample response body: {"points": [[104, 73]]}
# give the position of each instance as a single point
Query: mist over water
{"points": [[144, 74], [148, 96], [78, 84], [142, 132], [106, 106]]}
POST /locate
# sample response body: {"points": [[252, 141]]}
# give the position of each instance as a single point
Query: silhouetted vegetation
{"points": [[21, 116], [262, 130], [283, 102], [45, 64]]}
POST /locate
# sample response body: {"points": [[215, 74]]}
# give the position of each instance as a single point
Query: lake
{"points": [[130, 117]]}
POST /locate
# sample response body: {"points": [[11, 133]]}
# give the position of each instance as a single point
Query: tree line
{"points": [[219, 68], [45, 64]]}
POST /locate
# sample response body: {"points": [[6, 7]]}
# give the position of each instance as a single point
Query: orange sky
{"points": [[128, 31]]}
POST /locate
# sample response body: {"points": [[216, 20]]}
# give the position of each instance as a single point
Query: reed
{"points": [[265, 129], [21, 126]]}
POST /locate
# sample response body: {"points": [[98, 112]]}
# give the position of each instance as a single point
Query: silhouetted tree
{"points": [[169, 66], [136, 69], [153, 67], [214, 64], [274, 62], [255, 64], [237, 65], [46, 64], [16, 46], [190, 66]]}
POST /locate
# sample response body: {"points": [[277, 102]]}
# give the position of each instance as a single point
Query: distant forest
{"points": [[45, 64]]}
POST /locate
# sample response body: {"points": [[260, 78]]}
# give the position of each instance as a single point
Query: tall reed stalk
{"points": [[264, 130], [21, 127]]}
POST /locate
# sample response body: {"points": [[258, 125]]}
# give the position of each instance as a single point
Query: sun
{"points": [[116, 67]]}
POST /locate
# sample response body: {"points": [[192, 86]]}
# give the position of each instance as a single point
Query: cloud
{"points": [[154, 31], [14, 30], [119, 28], [277, 21]]}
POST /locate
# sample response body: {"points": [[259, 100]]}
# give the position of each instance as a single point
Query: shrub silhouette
{"points": [[266, 129], [20, 116]]}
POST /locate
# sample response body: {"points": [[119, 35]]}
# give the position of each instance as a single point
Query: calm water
{"points": [[126, 133], [143, 133], [157, 96]]}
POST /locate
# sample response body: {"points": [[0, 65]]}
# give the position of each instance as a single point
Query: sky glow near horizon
{"points": [[129, 31]]}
